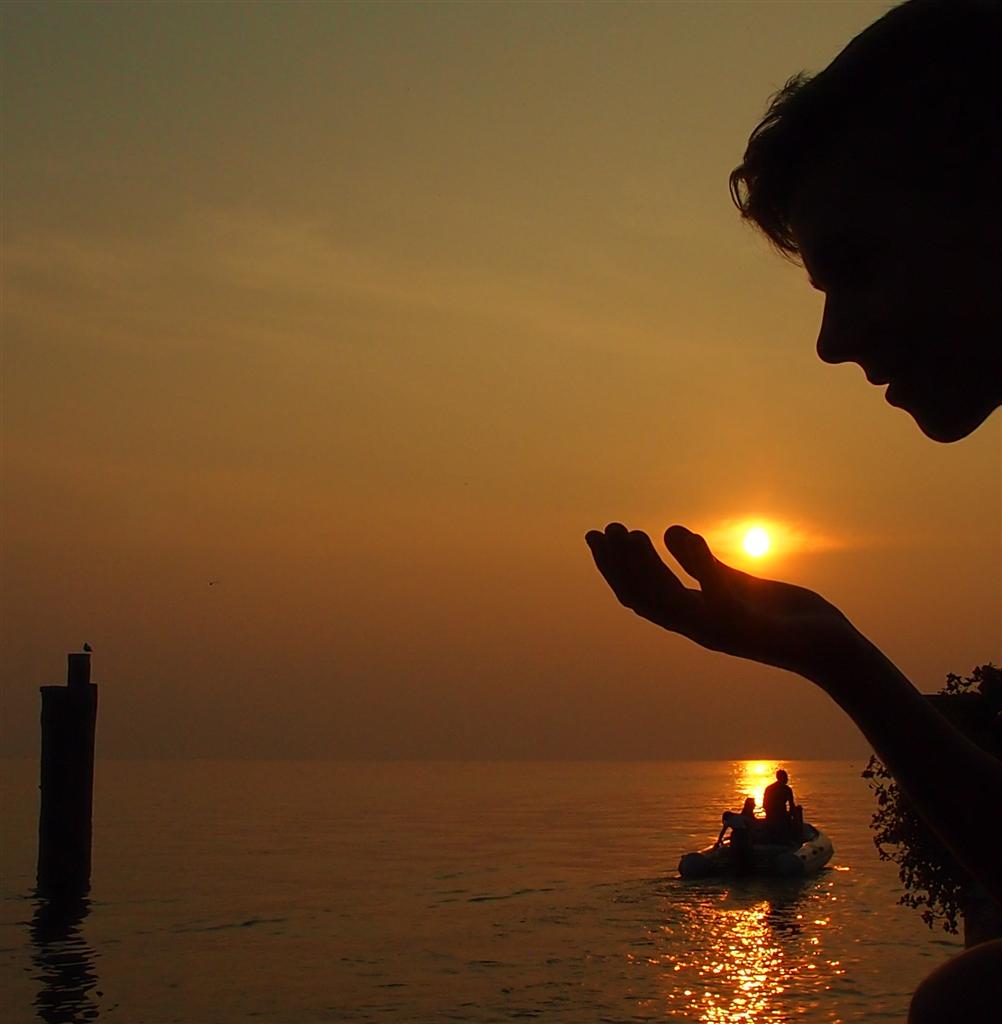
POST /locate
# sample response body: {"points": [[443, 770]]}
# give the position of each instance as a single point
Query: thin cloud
{"points": [[201, 270]]}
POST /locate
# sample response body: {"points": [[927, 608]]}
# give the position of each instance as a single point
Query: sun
{"points": [[755, 539], [756, 542]]}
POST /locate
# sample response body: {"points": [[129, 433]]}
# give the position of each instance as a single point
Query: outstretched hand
{"points": [[732, 612]]}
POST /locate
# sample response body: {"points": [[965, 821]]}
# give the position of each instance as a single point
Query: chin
{"points": [[949, 425], [944, 408]]}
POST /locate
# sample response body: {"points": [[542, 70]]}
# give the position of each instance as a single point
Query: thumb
{"points": [[694, 555]]}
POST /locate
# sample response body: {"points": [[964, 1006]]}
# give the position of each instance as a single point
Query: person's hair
{"points": [[781, 774], [920, 91]]}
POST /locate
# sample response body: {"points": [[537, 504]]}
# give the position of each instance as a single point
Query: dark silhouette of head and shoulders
{"points": [[777, 799], [784, 821], [882, 175]]}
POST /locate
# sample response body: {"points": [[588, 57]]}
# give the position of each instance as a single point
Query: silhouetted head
{"points": [[749, 805], [781, 776], [881, 174]]}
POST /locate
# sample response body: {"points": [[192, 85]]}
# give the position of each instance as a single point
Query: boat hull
{"points": [[762, 859]]}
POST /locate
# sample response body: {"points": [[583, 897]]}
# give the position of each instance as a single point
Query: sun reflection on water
{"points": [[751, 954], [751, 778], [748, 963]]}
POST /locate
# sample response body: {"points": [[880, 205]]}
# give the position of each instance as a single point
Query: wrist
{"points": [[855, 670]]}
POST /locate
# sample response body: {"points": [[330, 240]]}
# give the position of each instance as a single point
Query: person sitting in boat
{"points": [[781, 810], [748, 810], [741, 826], [731, 820]]}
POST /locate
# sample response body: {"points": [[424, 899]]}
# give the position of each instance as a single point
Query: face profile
{"points": [[880, 174], [912, 296]]}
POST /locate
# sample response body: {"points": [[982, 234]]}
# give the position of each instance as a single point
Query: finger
{"points": [[693, 554], [730, 594], [634, 570], [610, 548], [646, 564], [608, 560], [616, 535], [643, 583], [611, 551], [651, 589], [611, 538], [722, 585], [661, 596], [631, 556]]}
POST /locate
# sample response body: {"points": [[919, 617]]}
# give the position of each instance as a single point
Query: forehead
{"points": [[851, 202], [837, 203]]}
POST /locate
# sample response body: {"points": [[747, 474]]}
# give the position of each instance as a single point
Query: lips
{"points": [[878, 375], [910, 390]]}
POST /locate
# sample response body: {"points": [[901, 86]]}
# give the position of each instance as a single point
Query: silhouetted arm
{"points": [[926, 755], [795, 629]]}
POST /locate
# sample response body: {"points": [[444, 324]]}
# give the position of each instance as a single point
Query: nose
{"points": [[836, 334]]}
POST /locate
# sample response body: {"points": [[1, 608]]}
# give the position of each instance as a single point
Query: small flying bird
{"points": [[87, 648], [212, 583]]}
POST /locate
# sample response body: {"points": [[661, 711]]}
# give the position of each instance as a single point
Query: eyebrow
{"points": [[832, 253]]}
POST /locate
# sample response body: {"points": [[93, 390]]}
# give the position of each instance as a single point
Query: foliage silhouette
{"points": [[934, 883]]}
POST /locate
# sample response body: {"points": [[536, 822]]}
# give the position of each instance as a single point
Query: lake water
{"points": [[314, 891]]}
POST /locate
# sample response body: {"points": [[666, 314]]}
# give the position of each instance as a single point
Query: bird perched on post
{"points": [[87, 648]]}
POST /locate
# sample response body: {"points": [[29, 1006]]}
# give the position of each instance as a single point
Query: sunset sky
{"points": [[369, 312]]}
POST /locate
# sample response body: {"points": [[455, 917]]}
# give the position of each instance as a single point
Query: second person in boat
{"points": [[782, 814]]}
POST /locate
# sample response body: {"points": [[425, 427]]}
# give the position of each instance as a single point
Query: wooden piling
{"points": [[69, 719]]}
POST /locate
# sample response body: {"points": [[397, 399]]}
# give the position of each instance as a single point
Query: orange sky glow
{"points": [[369, 312]]}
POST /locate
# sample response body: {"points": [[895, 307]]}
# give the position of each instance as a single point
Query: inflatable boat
{"points": [[784, 860]]}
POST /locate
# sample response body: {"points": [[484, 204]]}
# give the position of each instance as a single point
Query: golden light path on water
{"points": [[742, 963], [729, 956], [751, 778]]}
